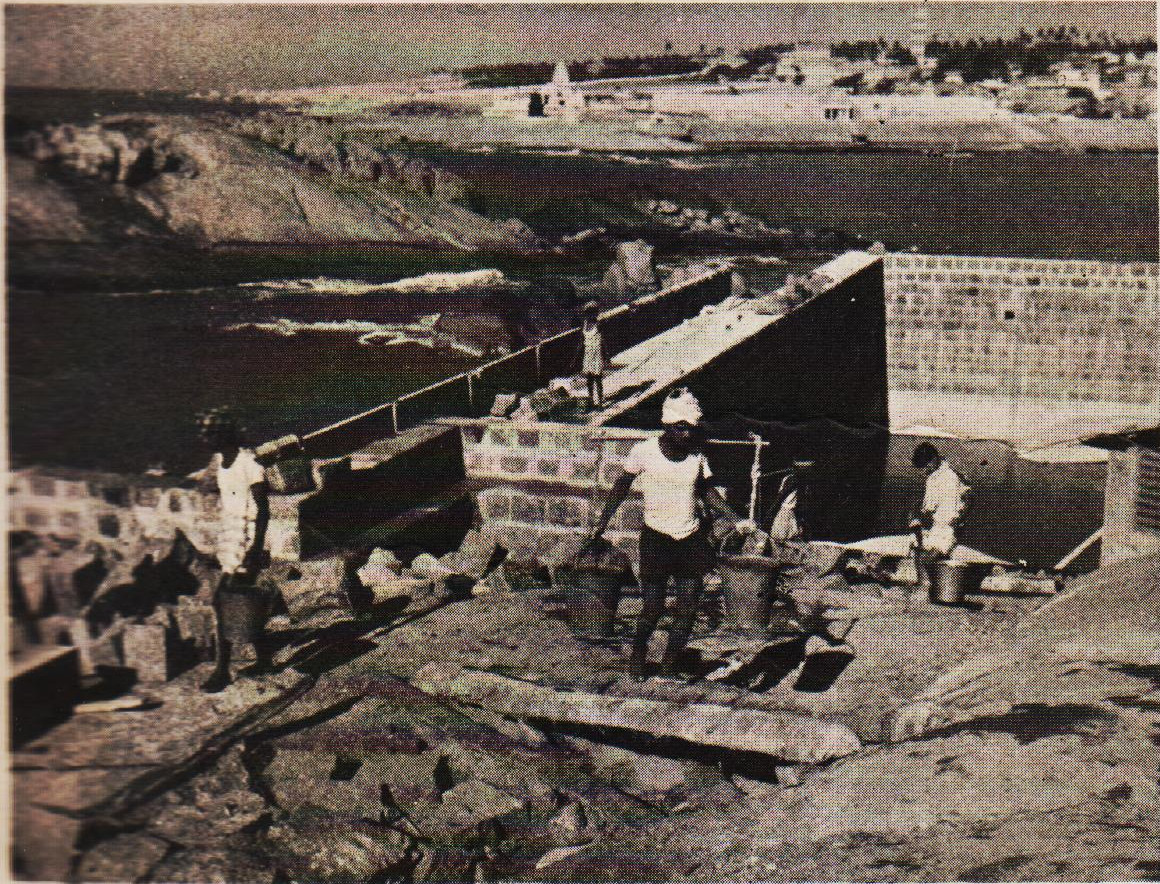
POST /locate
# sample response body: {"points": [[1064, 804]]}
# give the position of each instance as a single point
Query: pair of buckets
{"points": [[748, 585]]}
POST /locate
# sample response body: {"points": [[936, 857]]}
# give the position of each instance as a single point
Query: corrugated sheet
{"points": [[1148, 491]]}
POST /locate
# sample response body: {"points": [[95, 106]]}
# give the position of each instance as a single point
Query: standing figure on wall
{"points": [[592, 363]]}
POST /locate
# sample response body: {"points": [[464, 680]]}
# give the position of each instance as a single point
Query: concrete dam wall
{"points": [[1020, 350], [791, 376]]}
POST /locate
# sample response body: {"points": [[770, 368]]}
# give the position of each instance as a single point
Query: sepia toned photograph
{"points": [[607, 442]]}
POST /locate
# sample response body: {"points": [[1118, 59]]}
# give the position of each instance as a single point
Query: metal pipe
{"points": [[755, 474]]}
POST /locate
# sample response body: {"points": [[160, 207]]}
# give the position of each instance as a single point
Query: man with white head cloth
{"points": [[672, 474]]}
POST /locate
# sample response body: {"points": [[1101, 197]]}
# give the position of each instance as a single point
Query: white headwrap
{"points": [[681, 405]]}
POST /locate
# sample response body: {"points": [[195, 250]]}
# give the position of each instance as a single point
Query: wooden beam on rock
{"points": [[780, 735]]}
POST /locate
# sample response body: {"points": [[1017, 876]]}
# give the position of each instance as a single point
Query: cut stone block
{"points": [[146, 650]]}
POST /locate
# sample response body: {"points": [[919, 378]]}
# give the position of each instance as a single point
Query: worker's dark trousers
{"points": [[687, 593]]}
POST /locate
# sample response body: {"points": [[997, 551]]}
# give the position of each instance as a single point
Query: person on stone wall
{"points": [[673, 477], [592, 361], [944, 503], [241, 537]]}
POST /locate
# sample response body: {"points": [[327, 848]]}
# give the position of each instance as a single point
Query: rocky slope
{"points": [[1015, 739], [198, 181]]}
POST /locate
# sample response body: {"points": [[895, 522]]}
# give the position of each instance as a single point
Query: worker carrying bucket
{"points": [[944, 503], [673, 477]]}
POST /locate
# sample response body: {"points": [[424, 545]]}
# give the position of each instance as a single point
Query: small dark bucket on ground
{"points": [[953, 580], [593, 597], [747, 583], [244, 611]]}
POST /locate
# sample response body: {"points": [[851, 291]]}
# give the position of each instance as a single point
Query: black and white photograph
{"points": [[582, 442]]}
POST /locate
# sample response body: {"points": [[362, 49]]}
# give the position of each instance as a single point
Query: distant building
{"points": [[1071, 77], [919, 33], [559, 99], [809, 67]]}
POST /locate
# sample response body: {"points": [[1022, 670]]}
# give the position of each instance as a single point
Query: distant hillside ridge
{"points": [[198, 181]]}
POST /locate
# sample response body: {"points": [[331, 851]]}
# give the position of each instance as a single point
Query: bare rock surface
{"points": [[1034, 758], [198, 180]]}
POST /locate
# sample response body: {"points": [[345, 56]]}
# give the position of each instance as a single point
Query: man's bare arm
{"points": [[718, 505], [616, 497]]}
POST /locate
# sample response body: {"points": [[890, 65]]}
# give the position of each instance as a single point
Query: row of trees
{"points": [[975, 58], [530, 74], [1061, 39]]}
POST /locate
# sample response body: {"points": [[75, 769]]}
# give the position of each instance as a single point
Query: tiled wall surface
{"points": [[550, 482], [1085, 331]]}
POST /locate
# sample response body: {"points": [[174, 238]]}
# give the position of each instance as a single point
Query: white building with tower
{"points": [[558, 99]]}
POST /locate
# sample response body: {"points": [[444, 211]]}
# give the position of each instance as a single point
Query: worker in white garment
{"points": [[944, 503], [673, 476], [242, 522]]}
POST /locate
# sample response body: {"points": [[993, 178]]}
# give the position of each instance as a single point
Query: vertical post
{"points": [[755, 475], [539, 370], [395, 416], [470, 393]]}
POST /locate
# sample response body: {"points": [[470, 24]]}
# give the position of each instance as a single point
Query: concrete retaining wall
{"points": [[1000, 347], [471, 394], [823, 361]]}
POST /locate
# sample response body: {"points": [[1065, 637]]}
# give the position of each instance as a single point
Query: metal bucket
{"points": [[747, 583], [593, 597], [950, 583], [244, 611]]}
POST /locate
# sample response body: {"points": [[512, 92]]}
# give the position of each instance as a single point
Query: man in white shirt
{"points": [[672, 475], [243, 518], [944, 503]]}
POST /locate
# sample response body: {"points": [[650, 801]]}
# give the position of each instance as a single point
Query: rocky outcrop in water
{"points": [[322, 148], [199, 181], [728, 223], [632, 271]]}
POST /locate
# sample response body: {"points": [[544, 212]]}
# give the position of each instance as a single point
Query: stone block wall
{"points": [[1017, 328], [106, 508], [125, 512], [548, 483]]}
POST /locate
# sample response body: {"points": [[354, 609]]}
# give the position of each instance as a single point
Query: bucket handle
{"points": [[728, 538]]}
